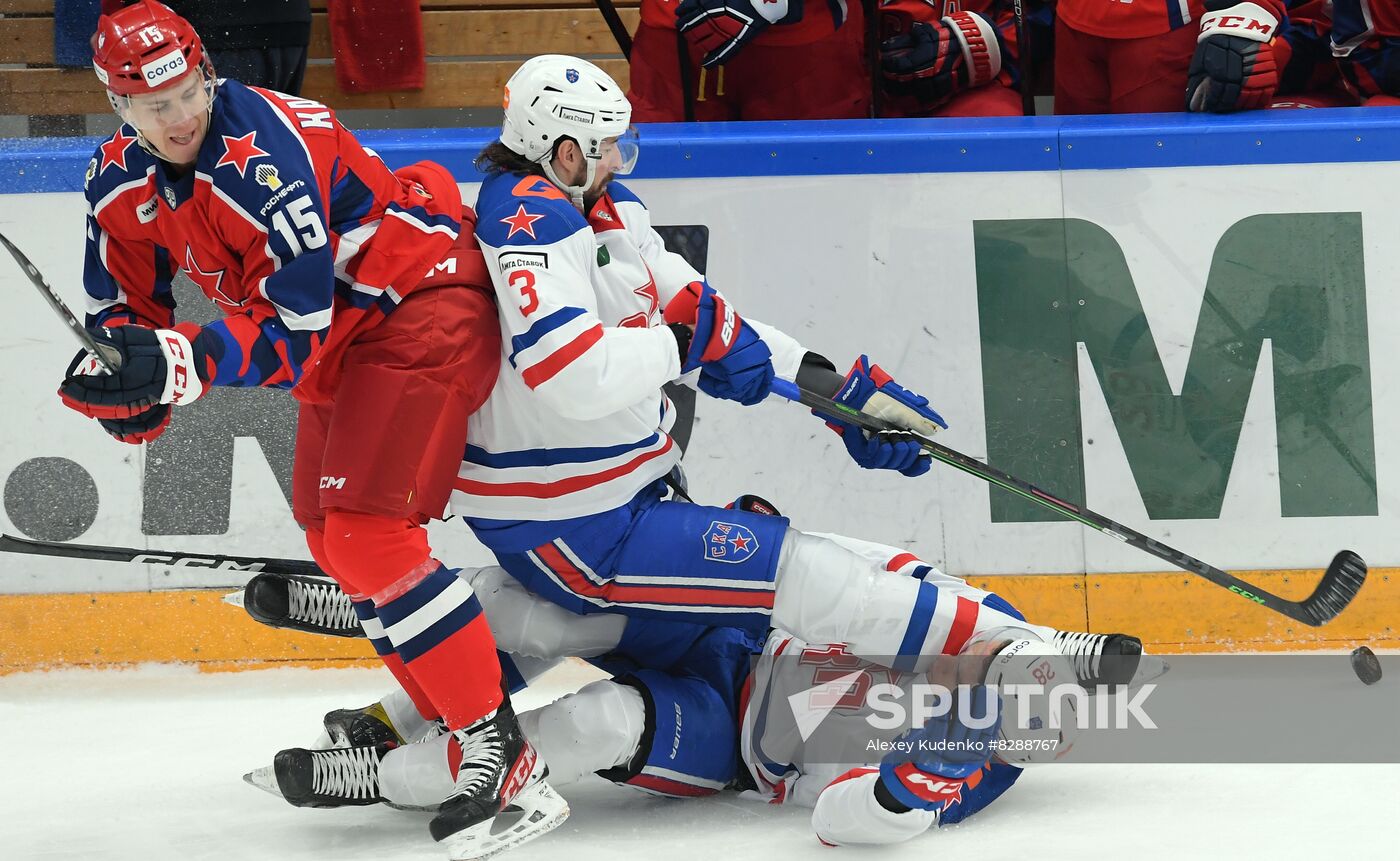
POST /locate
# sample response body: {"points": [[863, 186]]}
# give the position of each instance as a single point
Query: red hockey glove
{"points": [[734, 362], [1236, 66], [934, 62], [721, 27], [142, 427], [159, 366]]}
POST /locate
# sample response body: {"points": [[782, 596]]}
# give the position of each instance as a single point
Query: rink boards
{"points": [[1181, 323]]}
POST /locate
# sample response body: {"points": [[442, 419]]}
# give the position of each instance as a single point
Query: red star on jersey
{"points": [[239, 151], [114, 151], [522, 222], [648, 292], [739, 542], [210, 282]]}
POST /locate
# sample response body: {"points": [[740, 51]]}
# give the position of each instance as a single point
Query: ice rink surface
{"points": [[145, 765]]}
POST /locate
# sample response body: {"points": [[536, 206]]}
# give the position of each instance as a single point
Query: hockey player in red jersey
{"points": [[749, 60], [1306, 53], [949, 58], [1121, 58], [357, 288], [1365, 37]]}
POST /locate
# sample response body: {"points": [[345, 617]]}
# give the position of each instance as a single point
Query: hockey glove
{"points": [[1236, 66], [935, 61], [142, 427], [721, 28], [930, 765], [159, 366], [869, 389], [734, 363]]}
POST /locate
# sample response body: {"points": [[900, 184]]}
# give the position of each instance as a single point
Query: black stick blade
{"points": [[1339, 585]]}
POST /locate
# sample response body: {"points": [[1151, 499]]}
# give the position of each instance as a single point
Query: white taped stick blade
{"points": [[533, 813]]}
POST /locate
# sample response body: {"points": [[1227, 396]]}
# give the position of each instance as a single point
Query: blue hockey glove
{"points": [[734, 363], [721, 27], [872, 391], [931, 764]]}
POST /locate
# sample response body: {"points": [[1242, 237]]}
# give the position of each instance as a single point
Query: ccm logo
{"points": [[196, 562], [330, 481], [524, 767], [933, 788], [180, 369]]}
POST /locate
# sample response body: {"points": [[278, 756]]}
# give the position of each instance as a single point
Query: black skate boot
{"points": [[1108, 659], [307, 604], [363, 727], [501, 799], [342, 777]]}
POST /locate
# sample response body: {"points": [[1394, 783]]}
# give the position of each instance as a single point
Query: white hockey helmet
{"points": [[1035, 727], [554, 96]]}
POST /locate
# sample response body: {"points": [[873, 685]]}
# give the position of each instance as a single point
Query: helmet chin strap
{"points": [[575, 192]]}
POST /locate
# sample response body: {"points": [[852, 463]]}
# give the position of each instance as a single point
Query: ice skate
{"points": [[342, 777], [1108, 659], [362, 727], [501, 798], [306, 604]]}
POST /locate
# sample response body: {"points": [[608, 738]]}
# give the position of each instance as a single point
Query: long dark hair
{"points": [[499, 158]]}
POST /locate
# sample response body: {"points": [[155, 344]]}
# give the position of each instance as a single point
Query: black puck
{"points": [[1366, 665]]}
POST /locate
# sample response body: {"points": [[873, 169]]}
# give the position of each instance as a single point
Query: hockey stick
{"points": [[871, 8], [619, 29], [687, 79], [107, 356], [1023, 59], [1336, 589], [213, 561]]}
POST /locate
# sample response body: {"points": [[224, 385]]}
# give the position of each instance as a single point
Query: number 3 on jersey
{"points": [[524, 281]]}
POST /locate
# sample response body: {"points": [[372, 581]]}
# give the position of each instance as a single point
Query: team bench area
{"points": [[472, 48]]}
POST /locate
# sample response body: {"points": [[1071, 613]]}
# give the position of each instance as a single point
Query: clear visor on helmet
{"points": [[168, 107], [619, 154]]}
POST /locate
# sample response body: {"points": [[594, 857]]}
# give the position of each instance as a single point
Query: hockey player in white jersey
{"points": [[562, 479], [689, 705]]}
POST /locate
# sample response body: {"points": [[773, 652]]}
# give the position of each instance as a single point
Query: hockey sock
{"points": [[829, 594], [364, 611], [431, 616]]}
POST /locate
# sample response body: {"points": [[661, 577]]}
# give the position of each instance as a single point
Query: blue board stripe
{"points": [[858, 147]]}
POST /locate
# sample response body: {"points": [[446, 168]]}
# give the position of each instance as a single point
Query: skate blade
{"points": [[265, 779], [534, 812], [1149, 667], [234, 598]]}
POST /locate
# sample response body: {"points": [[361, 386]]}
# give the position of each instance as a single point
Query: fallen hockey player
{"points": [[687, 704]]}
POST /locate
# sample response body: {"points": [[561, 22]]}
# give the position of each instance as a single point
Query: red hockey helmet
{"points": [[145, 47]]}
